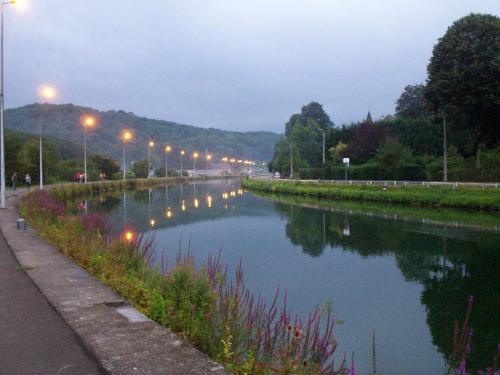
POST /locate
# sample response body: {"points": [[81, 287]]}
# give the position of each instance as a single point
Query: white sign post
{"points": [[346, 164]]}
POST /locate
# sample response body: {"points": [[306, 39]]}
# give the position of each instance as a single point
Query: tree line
{"points": [[445, 129]]}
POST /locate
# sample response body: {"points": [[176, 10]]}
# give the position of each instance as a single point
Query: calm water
{"points": [[404, 279]]}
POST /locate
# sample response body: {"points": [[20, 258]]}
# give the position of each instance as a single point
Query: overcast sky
{"points": [[237, 65]]}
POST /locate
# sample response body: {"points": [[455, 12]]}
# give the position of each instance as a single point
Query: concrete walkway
{"points": [[33, 337], [51, 305]]}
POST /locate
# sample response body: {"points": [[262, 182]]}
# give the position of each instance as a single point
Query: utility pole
{"points": [[445, 151], [291, 160], [324, 144]]}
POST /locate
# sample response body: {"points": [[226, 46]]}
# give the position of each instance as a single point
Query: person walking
{"points": [[14, 181], [27, 180]]}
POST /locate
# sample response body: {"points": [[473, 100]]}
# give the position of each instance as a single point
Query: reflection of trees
{"points": [[302, 229], [470, 270], [450, 264]]}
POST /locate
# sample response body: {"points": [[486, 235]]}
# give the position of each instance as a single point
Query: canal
{"points": [[396, 277]]}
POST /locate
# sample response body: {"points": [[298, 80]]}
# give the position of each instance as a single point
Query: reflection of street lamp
{"points": [[181, 157], [126, 137], [88, 122], [167, 150], [2, 142], [45, 93], [195, 156], [151, 144]]}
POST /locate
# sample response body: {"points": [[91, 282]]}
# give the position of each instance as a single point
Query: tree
{"points": [[463, 77], [304, 132], [105, 165], [391, 157], [139, 168], [312, 111], [411, 102], [337, 152]]}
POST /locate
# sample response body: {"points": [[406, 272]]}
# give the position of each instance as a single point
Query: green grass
{"points": [[433, 196], [440, 215]]}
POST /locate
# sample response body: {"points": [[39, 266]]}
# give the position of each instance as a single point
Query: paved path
{"points": [[33, 337]]}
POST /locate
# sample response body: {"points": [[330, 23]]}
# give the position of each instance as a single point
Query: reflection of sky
{"points": [[368, 292]]}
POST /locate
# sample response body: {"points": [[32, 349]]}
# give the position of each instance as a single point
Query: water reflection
{"points": [[447, 262]]}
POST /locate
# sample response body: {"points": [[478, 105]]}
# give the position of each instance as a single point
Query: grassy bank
{"points": [[73, 190], [433, 196], [444, 216], [209, 307]]}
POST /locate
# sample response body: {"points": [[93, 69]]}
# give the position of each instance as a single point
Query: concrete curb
{"points": [[122, 340]]}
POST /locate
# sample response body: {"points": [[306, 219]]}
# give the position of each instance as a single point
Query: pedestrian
{"points": [[27, 180], [14, 181]]}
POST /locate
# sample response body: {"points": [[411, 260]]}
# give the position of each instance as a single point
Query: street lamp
{"points": [[195, 156], [151, 144], [208, 157], [126, 137], [167, 150], [181, 156], [2, 142], [88, 122], [45, 93]]}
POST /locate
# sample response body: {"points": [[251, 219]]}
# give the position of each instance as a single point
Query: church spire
{"points": [[369, 119]]}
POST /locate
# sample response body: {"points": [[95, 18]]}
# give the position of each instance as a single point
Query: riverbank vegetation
{"points": [[460, 99], [434, 196], [209, 307], [479, 219]]}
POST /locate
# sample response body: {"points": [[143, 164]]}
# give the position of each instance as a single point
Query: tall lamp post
{"points": [[151, 144], [181, 157], [208, 157], [195, 156], [2, 142], [46, 93], [88, 123], [167, 150], [126, 137]]}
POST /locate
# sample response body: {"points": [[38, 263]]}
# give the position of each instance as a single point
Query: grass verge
{"points": [[433, 196]]}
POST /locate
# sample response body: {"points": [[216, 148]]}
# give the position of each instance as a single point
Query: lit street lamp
{"points": [[45, 93], [88, 122], [151, 144], [167, 150], [208, 157], [2, 142], [181, 156], [126, 137], [195, 156]]}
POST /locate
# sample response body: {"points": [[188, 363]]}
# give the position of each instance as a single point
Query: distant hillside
{"points": [[63, 122]]}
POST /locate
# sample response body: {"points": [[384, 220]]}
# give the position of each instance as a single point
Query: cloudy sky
{"points": [[237, 65]]}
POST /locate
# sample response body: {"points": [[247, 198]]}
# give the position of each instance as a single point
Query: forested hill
{"points": [[63, 122]]}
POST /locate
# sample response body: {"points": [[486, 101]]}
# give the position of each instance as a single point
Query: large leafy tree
{"points": [[304, 133], [411, 102], [464, 77]]}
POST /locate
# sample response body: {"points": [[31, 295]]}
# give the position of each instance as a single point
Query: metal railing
{"points": [[387, 183]]}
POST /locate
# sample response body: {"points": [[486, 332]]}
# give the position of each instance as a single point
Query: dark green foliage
{"points": [[63, 121], [139, 168], [304, 133], [411, 102], [61, 159], [103, 164], [464, 77]]}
